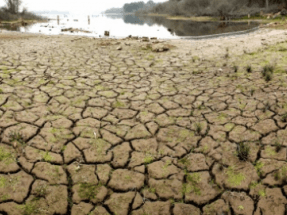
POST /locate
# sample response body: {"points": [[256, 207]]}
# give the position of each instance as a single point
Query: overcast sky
{"points": [[80, 6]]}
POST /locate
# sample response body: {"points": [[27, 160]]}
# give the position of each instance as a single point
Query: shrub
{"points": [[243, 151]]}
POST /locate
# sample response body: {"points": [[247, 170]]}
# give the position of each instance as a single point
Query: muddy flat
{"points": [[106, 126]]}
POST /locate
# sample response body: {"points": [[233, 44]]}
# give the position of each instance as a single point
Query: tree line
{"points": [[11, 11], [216, 7]]}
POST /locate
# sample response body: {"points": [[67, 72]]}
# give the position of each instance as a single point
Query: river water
{"points": [[124, 25]]}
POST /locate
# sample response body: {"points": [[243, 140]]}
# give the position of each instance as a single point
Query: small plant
{"points": [[148, 159], [15, 136], [249, 69], [198, 128], [192, 185], [240, 207], [284, 117], [259, 165], [278, 146], [243, 151], [268, 77], [267, 68], [41, 191], [277, 176], [267, 72], [235, 69], [88, 191]]}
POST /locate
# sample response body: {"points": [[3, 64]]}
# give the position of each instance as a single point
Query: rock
{"points": [[119, 48], [145, 39], [159, 48]]}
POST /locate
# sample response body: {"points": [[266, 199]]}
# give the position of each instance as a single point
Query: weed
{"points": [[235, 68], [278, 146], [41, 191], [268, 77], [259, 165], [88, 190], [240, 207], [267, 68], [234, 178], [277, 176], [198, 128], [15, 136], [243, 151], [46, 156], [249, 69], [267, 72], [148, 159], [262, 193], [192, 185], [284, 117]]}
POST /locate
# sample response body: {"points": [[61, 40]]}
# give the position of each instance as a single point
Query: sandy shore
{"points": [[106, 126]]}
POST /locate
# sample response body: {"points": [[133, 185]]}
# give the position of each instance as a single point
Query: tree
{"points": [[13, 6]]}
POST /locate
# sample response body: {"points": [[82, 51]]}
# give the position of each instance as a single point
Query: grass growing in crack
{"points": [[15, 136], [234, 178], [259, 165], [243, 151], [46, 156], [198, 127], [148, 159]]}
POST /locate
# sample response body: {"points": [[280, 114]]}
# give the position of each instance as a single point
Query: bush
{"points": [[7, 16]]}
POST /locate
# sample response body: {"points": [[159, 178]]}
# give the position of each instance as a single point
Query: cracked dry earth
{"points": [[89, 129]]}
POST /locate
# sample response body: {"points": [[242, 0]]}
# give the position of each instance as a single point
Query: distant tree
{"points": [[13, 6], [133, 7]]}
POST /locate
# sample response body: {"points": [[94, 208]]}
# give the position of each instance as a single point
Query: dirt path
{"points": [[90, 129]]}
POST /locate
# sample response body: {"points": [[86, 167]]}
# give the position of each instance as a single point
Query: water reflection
{"points": [[120, 25], [185, 27]]}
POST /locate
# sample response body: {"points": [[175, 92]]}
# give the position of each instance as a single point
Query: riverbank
{"points": [[109, 126]]}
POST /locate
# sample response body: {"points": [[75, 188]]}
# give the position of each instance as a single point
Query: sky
{"points": [[75, 6]]}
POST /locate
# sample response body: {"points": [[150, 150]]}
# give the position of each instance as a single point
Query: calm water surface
{"points": [[125, 25]]}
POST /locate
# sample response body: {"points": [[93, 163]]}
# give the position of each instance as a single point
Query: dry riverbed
{"points": [[105, 126]]}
